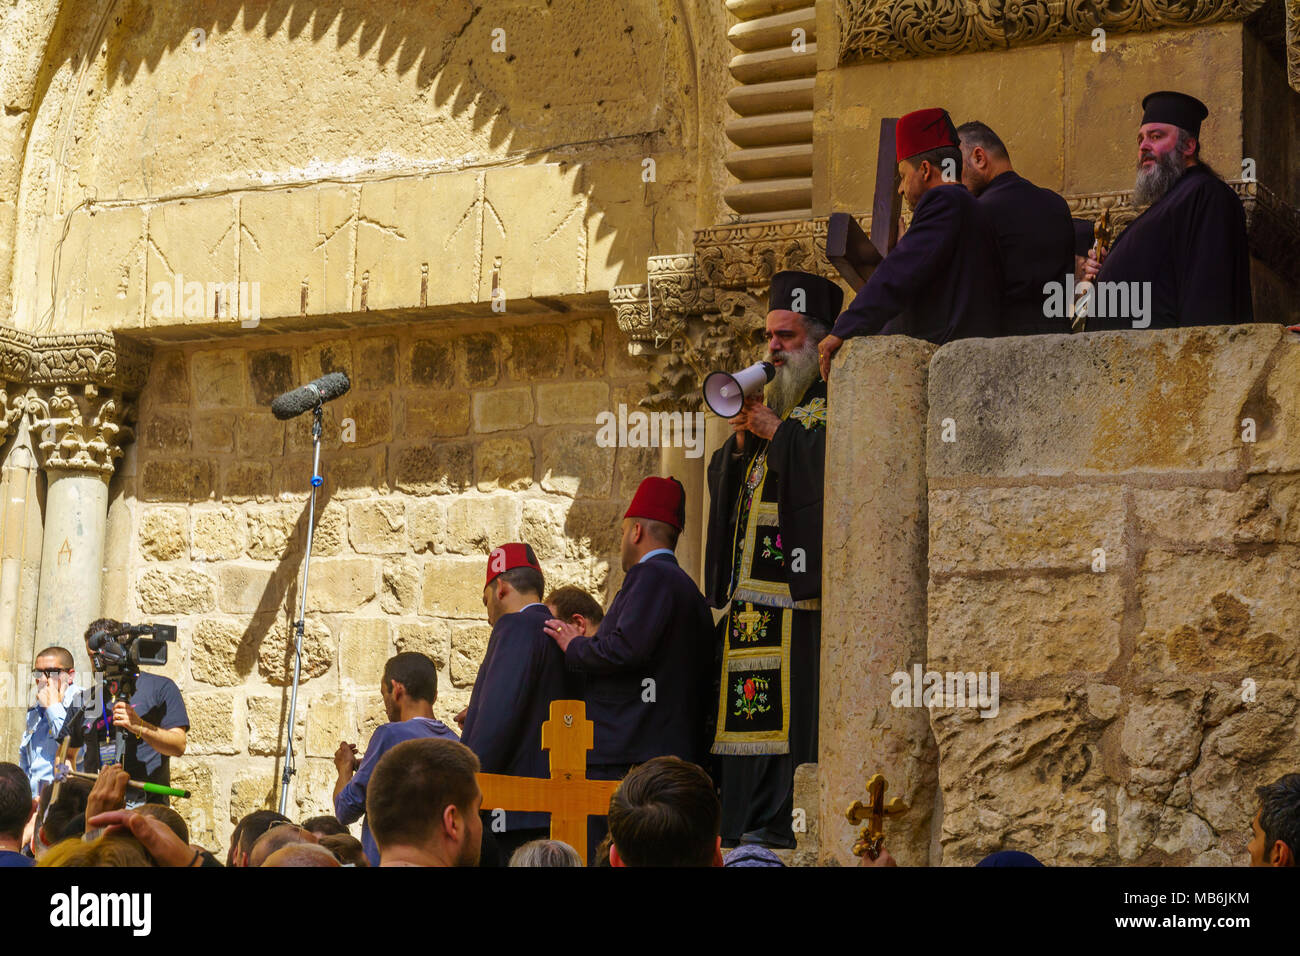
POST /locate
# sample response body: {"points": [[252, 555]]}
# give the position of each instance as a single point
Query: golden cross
{"points": [[568, 796], [872, 836]]}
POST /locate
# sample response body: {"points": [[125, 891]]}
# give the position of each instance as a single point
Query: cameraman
{"points": [[155, 722]]}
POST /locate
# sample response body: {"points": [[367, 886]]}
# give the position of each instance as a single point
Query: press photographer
{"points": [[147, 708]]}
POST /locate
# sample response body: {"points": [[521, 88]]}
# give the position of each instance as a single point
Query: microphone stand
{"points": [[300, 624]]}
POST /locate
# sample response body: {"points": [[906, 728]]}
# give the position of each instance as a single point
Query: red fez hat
{"points": [[924, 130], [659, 499], [508, 557]]}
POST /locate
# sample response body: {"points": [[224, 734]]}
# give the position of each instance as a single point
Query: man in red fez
{"points": [[647, 669], [1188, 248], [522, 672], [943, 280], [763, 566]]}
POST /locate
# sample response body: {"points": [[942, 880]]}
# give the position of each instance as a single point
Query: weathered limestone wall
{"points": [[463, 440], [1105, 535]]}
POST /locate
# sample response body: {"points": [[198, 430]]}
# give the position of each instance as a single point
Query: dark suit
{"points": [[1036, 241], [943, 280], [658, 627]]}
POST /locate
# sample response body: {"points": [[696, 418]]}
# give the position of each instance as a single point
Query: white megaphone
{"points": [[725, 393]]}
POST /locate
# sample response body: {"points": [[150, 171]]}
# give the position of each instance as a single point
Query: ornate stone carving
{"points": [[79, 428], [900, 29], [75, 358], [1293, 43]]}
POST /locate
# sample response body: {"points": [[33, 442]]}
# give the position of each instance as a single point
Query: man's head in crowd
{"points": [[984, 156], [247, 832], [1169, 142], [665, 813], [575, 606], [116, 850], [801, 308], [277, 835], [346, 848], [301, 854], [423, 804], [324, 825], [170, 818], [1275, 827], [409, 683], [514, 580], [56, 818], [54, 669], [15, 805], [546, 853], [928, 151], [653, 520]]}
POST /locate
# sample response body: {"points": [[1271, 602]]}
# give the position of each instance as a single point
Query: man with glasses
{"points": [[55, 691]]}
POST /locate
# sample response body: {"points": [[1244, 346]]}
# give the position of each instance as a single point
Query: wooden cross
{"points": [[873, 834], [853, 253], [568, 796]]}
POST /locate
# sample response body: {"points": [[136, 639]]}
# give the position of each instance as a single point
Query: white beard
{"points": [[799, 370]]}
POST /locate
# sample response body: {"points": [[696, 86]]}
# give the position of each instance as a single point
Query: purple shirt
{"points": [[350, 804]]}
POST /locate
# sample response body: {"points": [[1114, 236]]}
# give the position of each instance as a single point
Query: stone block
{"points": [[427, 526], [634, 465], [478, 358], [313, 788], [166, 432], [453, 587], [542, 525], [164, 534], [1215, 613], [219, 378], [174, 591], [477, 525], [436, 414], [468, 645], [377, 362], [101, 271], [223, 651], [1201, 516], [214, 432], [169, 378], [540, 242], [450, 703], [331, 531], [573, 464], [275, 653], [430, 638], [995, 529], [357, 474], [219, 535], [587, 348], [254, 789], [377, 527], [341, 584], [251, 589], [246, 480], [192, 244], [1024, 628], [399, 591], [1274, 415], [1105, 403], [330, 355], [270, 374], [442, 469], [270, 530], [503, 463], [331, 720], [536, 352], [199, 811], [267, 716], [213, 728], [432, 364], [259, 436], [176, 479], [503, 409], [593, 529], [409, 235], [572, 403], [364, 648], [291, 244]]}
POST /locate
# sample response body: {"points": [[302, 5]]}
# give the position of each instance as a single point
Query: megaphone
{"points": [[725, 393]]}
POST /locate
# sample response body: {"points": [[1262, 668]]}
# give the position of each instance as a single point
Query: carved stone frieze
{"points": [[79, 427], [1293, 43], [901, 29], [73, 358]]}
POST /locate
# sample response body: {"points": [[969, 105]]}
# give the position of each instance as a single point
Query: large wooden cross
{"points": [[568, 796], [853, 253]]}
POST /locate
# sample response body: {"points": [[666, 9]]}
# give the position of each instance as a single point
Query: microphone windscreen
{"points": [[299, 400]]}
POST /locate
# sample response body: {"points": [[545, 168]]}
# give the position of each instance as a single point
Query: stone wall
{"points": [[1114, 530], [463, 440]]}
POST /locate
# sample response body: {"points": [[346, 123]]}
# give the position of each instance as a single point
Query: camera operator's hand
{"points": [[109, 791], [156, 837], [345, 759], [124, 716]]}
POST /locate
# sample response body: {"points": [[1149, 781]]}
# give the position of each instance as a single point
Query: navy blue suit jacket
{"points": [[658, 627]]}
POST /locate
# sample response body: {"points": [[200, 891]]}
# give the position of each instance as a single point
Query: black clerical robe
{"points": [[1191, 246], [943, 280], [1036, 241], [646, 670], [763, 555], [522, 672]]}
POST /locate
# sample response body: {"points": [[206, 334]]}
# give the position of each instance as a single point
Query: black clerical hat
{"points": [[1177, 109], [1083, 237], [816, 296]]}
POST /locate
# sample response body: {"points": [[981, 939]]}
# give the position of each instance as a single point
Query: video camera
{"points": [[118, 654]]}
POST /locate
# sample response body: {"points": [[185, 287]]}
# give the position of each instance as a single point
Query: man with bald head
{"points": [[302, 854], [278, 836]]}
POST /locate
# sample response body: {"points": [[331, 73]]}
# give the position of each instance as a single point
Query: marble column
{"points": [[79, 431], [20, 557]]}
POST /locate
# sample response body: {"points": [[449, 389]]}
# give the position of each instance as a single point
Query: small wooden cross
{"points": [[568, 796], [873, 834]]}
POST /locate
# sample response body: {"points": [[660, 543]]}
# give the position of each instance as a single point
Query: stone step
{"points": [[774, 97], [775, 31], [769, 195], [771, 162], [753, 9], [779, 64], [771, 129]]}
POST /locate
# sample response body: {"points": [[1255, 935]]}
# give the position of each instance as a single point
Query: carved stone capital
{"points": [[79, 428], [901, 29], [73, 358]]}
